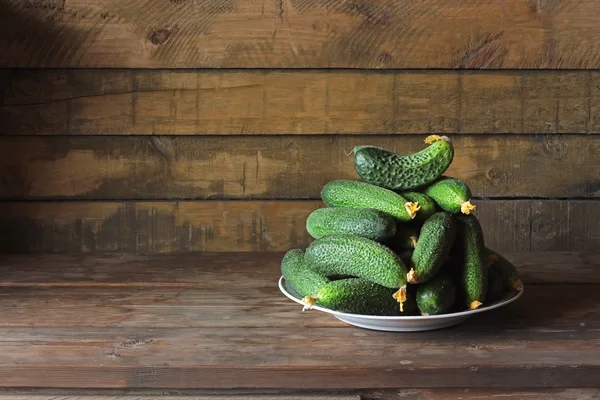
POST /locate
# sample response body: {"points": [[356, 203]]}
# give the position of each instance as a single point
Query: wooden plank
{"points": [[123, 102], [285, 167], [404, 394], [521, 344], [223, 226], [329, 33], [167, 336], [151, 396], [195, 270], [481, 394], [222, 301]]}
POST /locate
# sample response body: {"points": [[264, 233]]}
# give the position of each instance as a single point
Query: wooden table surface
{"points": [[218, 323]]}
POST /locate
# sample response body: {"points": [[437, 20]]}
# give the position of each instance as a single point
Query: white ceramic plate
{"points": [[402, 324]]}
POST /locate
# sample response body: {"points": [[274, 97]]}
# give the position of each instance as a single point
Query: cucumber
{"points": [[356, 194], [435, 241], [436, 296], [505, 269], [365, 222], [360, 296], [359, 257], [451, 195], [404, 172], [299, 276], [291, 290], [426, 206], [406, 238], [495, 287], [473, 265]]}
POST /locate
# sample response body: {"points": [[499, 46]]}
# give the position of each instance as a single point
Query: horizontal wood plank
{"points": [[128, 336], [212, 298], [479, 394], [285, 167], [274, 394], [222, 226], [123, 102], [288, 33], [206, 270], [157, 396], [519, 345]]}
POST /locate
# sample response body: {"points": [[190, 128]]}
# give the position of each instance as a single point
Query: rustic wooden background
{"points": [[211, 125]]}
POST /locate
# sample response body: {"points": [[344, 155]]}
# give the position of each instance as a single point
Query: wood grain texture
{"points": [[283, 167], [197, 396], [482, 394], [399, 394], [236, 298], [222, 226], [203, 335], [300, 34], [123, 102], [205, 270], [158, 396]]}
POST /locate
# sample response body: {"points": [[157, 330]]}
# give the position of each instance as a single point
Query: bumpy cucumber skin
{"points": [[403, 172], [449, 193], [428, 206], [436, 296], [365, 222], [495, 286], [298, 275], [356, 256], [435, 241], [356, 194], [474, 269], [361, 296], [507, 271]]}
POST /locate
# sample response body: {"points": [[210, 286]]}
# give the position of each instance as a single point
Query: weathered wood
{"points": [[241, 301], [169, 102], [481, 394], [400, 394], [207, 336], [328, 33], [521, 344], [194, 270], [221, 226], [285, 167], [158, 396]]}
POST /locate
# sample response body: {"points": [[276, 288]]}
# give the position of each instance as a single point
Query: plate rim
{"points": [[405, 317]]}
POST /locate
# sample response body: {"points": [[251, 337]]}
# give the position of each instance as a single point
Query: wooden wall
{"points": [[211, 125]]}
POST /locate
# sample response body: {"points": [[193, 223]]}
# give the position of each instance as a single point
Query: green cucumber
{"points": [[404, 172], [359, 257], [299, 276], [406, 238], [356, 194], [473, 263], [360, 296], [436, 296], [291, 290], [365, 222], [426, 206], [435, 241], [507, 271], [451, 194]]}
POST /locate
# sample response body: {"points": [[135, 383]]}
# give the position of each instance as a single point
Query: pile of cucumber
{"points": [[403, 241]]}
